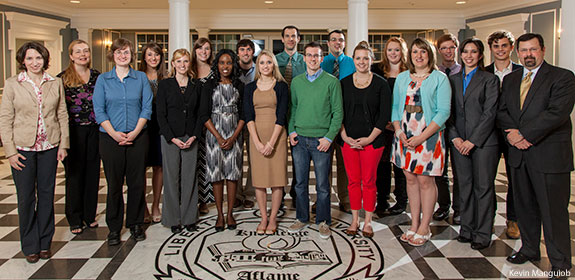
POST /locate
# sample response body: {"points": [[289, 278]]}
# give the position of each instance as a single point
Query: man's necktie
{"points": [[288, 72], [336, 68], [525, 85], [447, 71]]}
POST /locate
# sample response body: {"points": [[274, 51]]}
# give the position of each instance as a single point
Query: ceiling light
{"points": [[460, 2], [75, 1], [269, 2]]}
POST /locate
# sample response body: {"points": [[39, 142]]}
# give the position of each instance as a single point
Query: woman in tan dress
{"points": [[265, 109]]}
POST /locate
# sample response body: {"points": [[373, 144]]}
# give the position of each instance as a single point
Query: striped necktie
{"points": [[288, 72], [336, 68], [524, 89]]}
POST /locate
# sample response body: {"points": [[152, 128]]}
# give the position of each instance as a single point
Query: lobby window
{"points": [[224, 41], [311, 37], [143, 38], [377, 42]]}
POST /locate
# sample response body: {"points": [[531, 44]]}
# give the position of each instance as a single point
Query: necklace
{"points": [[361, 84]]}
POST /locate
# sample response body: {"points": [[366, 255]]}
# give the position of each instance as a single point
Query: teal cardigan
{"points": [[435, 97]]}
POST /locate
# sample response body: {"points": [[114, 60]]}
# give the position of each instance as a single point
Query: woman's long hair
{"points": [[385, 65], [71, 78], [194, 63], [161, 68], [275, 73]]}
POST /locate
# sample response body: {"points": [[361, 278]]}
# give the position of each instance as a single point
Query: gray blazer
{"points": [[473, 115]]}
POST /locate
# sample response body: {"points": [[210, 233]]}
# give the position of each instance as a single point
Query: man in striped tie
{"points": [[534, 113]]}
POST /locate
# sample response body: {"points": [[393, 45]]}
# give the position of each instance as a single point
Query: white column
{"points": [[84, 34], [179, 31], [357, 29]]}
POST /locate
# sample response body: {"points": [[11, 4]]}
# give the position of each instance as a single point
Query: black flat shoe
{"points": [[176, 229], [191, 227], [396, 209], [114, 238], [520, 258], [463, 239], [219, 228], [441, 214], [479, 246], [232, 226]]}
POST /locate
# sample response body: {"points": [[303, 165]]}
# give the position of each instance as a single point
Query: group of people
{"points": [[404, 114]]}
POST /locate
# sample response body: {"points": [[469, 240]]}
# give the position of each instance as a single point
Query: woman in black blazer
{"points": [[177, 106], [475, 153]]}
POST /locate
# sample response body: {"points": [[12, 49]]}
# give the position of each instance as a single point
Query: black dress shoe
{"points": [[456, 218], [176, 229], [45, 254], [191, 227], [138, 233], [441, 214], [396, 209], [463, 239], [345, 207], [520, 258], [114, 238], [478, 246], [232, 226], [219, 228]]}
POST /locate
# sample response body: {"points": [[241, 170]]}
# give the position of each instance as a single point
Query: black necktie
{"points": [[447, 71]]}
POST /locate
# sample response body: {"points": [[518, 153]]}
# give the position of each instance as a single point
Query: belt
{"points": [[413, 109]]}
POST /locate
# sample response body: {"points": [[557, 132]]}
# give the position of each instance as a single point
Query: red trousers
{"points": [[361, 168]]}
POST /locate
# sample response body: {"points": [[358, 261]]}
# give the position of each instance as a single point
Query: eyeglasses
{"points": [[341, 40], [309, 55], [452, 48], [119, 52]]}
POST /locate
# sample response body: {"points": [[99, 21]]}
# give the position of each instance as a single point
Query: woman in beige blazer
{"points": [[34, 130]]}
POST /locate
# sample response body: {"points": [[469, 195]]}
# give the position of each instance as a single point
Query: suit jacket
{"points": [[544, 120], [491, 67], [19, 114], [473, 114]]}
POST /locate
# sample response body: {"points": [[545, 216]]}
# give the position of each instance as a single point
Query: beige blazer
{"points": [[19, 114]]}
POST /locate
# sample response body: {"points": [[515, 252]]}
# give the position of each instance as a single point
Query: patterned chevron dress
{"points": [[427, 158], [205, 189], [224, 164]]}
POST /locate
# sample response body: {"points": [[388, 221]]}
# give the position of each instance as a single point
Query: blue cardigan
{"points": [[435, 97]]}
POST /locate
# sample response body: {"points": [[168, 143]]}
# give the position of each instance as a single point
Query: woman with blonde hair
{"points": [[153, 65], [178, 103], [82, 165], [265, 108], [392, 63]]}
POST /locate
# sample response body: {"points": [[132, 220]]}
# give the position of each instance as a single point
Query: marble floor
{"points": [[242, 254]]}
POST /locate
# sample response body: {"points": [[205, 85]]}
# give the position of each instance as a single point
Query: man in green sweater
{"points": [[315, 120]]}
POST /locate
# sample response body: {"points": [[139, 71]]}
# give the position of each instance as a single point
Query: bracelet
{"points": [[399, 132]]}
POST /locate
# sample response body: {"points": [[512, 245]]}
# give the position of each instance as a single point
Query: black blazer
{"points": [[282, 97], [545, 119], [177, 113], [376, 105], [473, 115], [206, 99]]}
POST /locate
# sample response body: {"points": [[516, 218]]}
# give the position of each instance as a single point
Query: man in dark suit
{"points": [[501, 46], [534, 112]]}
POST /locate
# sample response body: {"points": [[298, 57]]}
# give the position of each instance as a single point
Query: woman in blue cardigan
{"points": [[421, 105]]}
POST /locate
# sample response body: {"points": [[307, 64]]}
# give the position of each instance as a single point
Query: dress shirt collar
{"points": [[314, 76]]}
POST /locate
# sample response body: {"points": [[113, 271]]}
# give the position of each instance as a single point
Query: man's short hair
{"points": [[291, 27], [313, 44], [498, 35], [245, 43], [447, 37], [529, 36], [338, 31]]}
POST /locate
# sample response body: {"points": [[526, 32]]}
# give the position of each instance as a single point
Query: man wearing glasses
{"points": [[339, 65], [447, 45], [315, 119]]}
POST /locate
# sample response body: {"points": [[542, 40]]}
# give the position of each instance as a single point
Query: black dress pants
{"points": [[35, 185], [442, 182], [82, 167], [383, 181], [125, 162]]}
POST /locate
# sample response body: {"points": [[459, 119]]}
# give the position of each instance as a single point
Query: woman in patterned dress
{"points": [[201, 70], [222, 115], [155, 68], [421, 106], [83, 162]]}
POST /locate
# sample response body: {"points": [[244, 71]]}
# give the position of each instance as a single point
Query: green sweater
{"points": [[316, 107]]}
